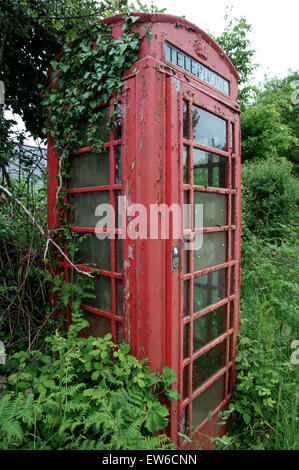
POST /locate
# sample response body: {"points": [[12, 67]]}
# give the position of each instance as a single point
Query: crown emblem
{"points": [[201, 49]]}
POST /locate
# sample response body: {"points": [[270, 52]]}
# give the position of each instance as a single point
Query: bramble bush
{"points": [[270, 197], [83, 393]]}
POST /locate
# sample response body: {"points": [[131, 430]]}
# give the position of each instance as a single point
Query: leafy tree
{"points": [[236, 43], [263, 132], [278, 93], [269, 198], [31, 35]]}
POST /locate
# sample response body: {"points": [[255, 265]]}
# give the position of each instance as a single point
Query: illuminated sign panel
{"points": [[186, 62]]}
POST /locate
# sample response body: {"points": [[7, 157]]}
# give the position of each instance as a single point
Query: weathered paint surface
{"points": [[152, 169]]}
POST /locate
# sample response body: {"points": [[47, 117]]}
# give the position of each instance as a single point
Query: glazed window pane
{"points": [[208, 364], [100, 132], [83, 206], [209, 129], [207, 401], [94, 252], [89, 169], [209, 169], [212, 252], [208, 289], [102, 293], [98, 326], [208, 327], [214, 208]]}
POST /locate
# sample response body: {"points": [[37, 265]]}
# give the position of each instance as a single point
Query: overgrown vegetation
{"points": [[61, 391], [74, 392], [267, 393], [82, 393]]}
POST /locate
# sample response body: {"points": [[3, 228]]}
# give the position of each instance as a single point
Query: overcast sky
{"points": [[275, 28], [275, 25]]}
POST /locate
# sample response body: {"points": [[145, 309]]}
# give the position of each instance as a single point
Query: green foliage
{"points": [[279, 93], [83, 393], [236, 43], [270, 197], [266, 397], [263, 133], [86, 75], [23, 297], [31, 34]]}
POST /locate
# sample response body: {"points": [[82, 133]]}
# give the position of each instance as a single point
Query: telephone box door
{"points": [[203, 303]]}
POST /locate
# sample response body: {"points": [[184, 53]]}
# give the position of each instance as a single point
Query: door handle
{"points": [[175, 257]]}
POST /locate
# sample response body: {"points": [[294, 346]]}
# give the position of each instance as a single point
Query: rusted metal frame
{"points": [[96, 271], [96, 230], [210, 308], [191, 266], [207, 148], [205, 385], [102, 313], [229, 250], [207, 189], [130, 145], [92, 189], [172, 326], [208, 270], [112, 225]]}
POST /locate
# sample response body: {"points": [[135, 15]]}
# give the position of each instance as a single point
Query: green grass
{"points": [[267, 395]]}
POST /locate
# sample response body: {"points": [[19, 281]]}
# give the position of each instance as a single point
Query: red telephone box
{"points": [[176, 145]]}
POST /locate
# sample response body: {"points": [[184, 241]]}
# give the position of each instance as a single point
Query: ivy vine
{"points": [[85, 76]]}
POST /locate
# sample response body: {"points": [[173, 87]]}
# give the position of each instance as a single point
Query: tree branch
{"points": [[42, 231]]}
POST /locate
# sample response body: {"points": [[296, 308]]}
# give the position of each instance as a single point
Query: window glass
{"points": [[98, 326], [89, 169], [209, 169], [208, 327], [186, 298], [207, 401], [208, 289], [185, 382], [100, 132], [101, 292], [209, 129], [212, 251], [118, 164], [83, 206], [118, 128], [119, 297], [94, 252], [208, 364], [185, 120], [186, 163], [186, 341], [119, 254], [214, 208]]}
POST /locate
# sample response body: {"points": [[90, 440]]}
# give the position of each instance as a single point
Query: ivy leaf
{"points": [[156, 417], [247, 418]]}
